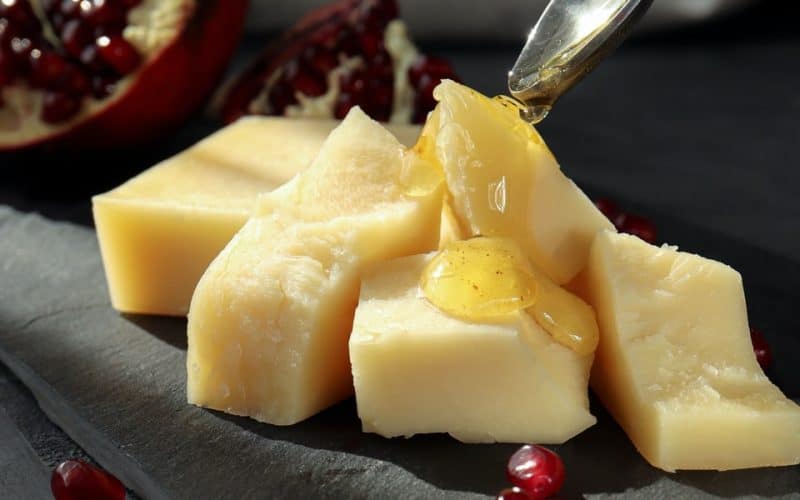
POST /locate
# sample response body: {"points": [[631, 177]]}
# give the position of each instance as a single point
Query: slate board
{"points": [[116, 385]]}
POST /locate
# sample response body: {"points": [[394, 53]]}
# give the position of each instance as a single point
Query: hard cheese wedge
{"points": [[417, 369], [270, 318], [504, 181], [159, 231], [675, 365]]}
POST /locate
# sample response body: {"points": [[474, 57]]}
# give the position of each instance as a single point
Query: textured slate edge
{"points": [[22, 475]]}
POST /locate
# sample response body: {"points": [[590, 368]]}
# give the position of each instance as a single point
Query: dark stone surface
{"points": [[699, 126], [116, 385], [22, 474]]}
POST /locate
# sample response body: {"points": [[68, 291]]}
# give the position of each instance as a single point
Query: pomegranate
{"points": [[349, 53], [761, 348], [104, 73], [626, 222], [77, 480], [513, 493], [536, 470]]}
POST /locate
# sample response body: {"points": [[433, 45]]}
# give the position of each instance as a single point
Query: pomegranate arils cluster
{"points": [[84, 55], [342, 44], [626, 222]]}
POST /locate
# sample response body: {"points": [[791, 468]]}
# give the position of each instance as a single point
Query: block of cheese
{"points": [[418, 370], [270, 318], [504, 181], [675, 365], [159, 231]]}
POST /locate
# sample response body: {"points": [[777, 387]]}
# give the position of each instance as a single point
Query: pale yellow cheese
{"points": [[419, 370], [504, 181], [270, 318], [159, 231], [675, 365]]}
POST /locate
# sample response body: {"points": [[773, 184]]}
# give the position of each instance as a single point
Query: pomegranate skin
{"points": [[168, 88]]}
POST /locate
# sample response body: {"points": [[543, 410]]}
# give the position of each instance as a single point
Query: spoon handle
{"points": [[570, 39]]}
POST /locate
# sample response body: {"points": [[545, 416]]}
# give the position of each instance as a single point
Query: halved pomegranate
{"points": [[103, 73], [352, 52]]}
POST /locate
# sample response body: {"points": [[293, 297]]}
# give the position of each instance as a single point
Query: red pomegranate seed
{"points": [[59, 107], [434, 67], [102, 12], [609, 208], [77, 480], [90, 57], [303, 80], [320, 60], [118, 53], [129, 4], [423, 99], [70, 9], [47, 68], [20, 14], [353, 82], [7, 69], [381, 68], [344, 103], [761, 348], [637, 226], [379, 103], [75, 35], [347, 42], [75, 82], [537, 470], [281, 96], [103, 86], [50, 6], [513, 494], [371, 42]]}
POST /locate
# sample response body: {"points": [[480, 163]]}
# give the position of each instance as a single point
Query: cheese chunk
{"points": [[419, 370], [159, 231], [270, 318], [675, 365], [504, 181]]}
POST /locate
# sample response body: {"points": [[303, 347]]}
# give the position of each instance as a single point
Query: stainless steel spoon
{"points": [[569, 41]]}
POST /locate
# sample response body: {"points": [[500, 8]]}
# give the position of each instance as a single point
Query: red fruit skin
{"points": [[536, 470], [168, 88], [637, 226], [77, 480]]}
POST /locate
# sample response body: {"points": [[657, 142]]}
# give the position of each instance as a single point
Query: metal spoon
{"points": [[569, 41]]}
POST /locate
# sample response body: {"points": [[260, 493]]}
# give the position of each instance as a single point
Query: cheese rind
{"points": [[159, 231], [419, 370], [675, 365], [270, 318]]}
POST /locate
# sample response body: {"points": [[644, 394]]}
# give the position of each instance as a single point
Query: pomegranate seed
{"points": [[50, 6], [70, 9], [90, 57], [281, 96], [761, 348], [47, 68], [637, 226], [7, 69], [609, 208], [102, 12], [6, 34], [59, 107], [423, 99], [536, 470], [119, 54], [20, 14], [347, 42], [513, 494], [434, 67], [370, 42], [77, 480], [75, 82], [103, 86], [344, 103], [353, 82], [379, 104], [75, 36], [303, 80], [326, 36], [320, 60], [381, 68], [129, 4]]}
